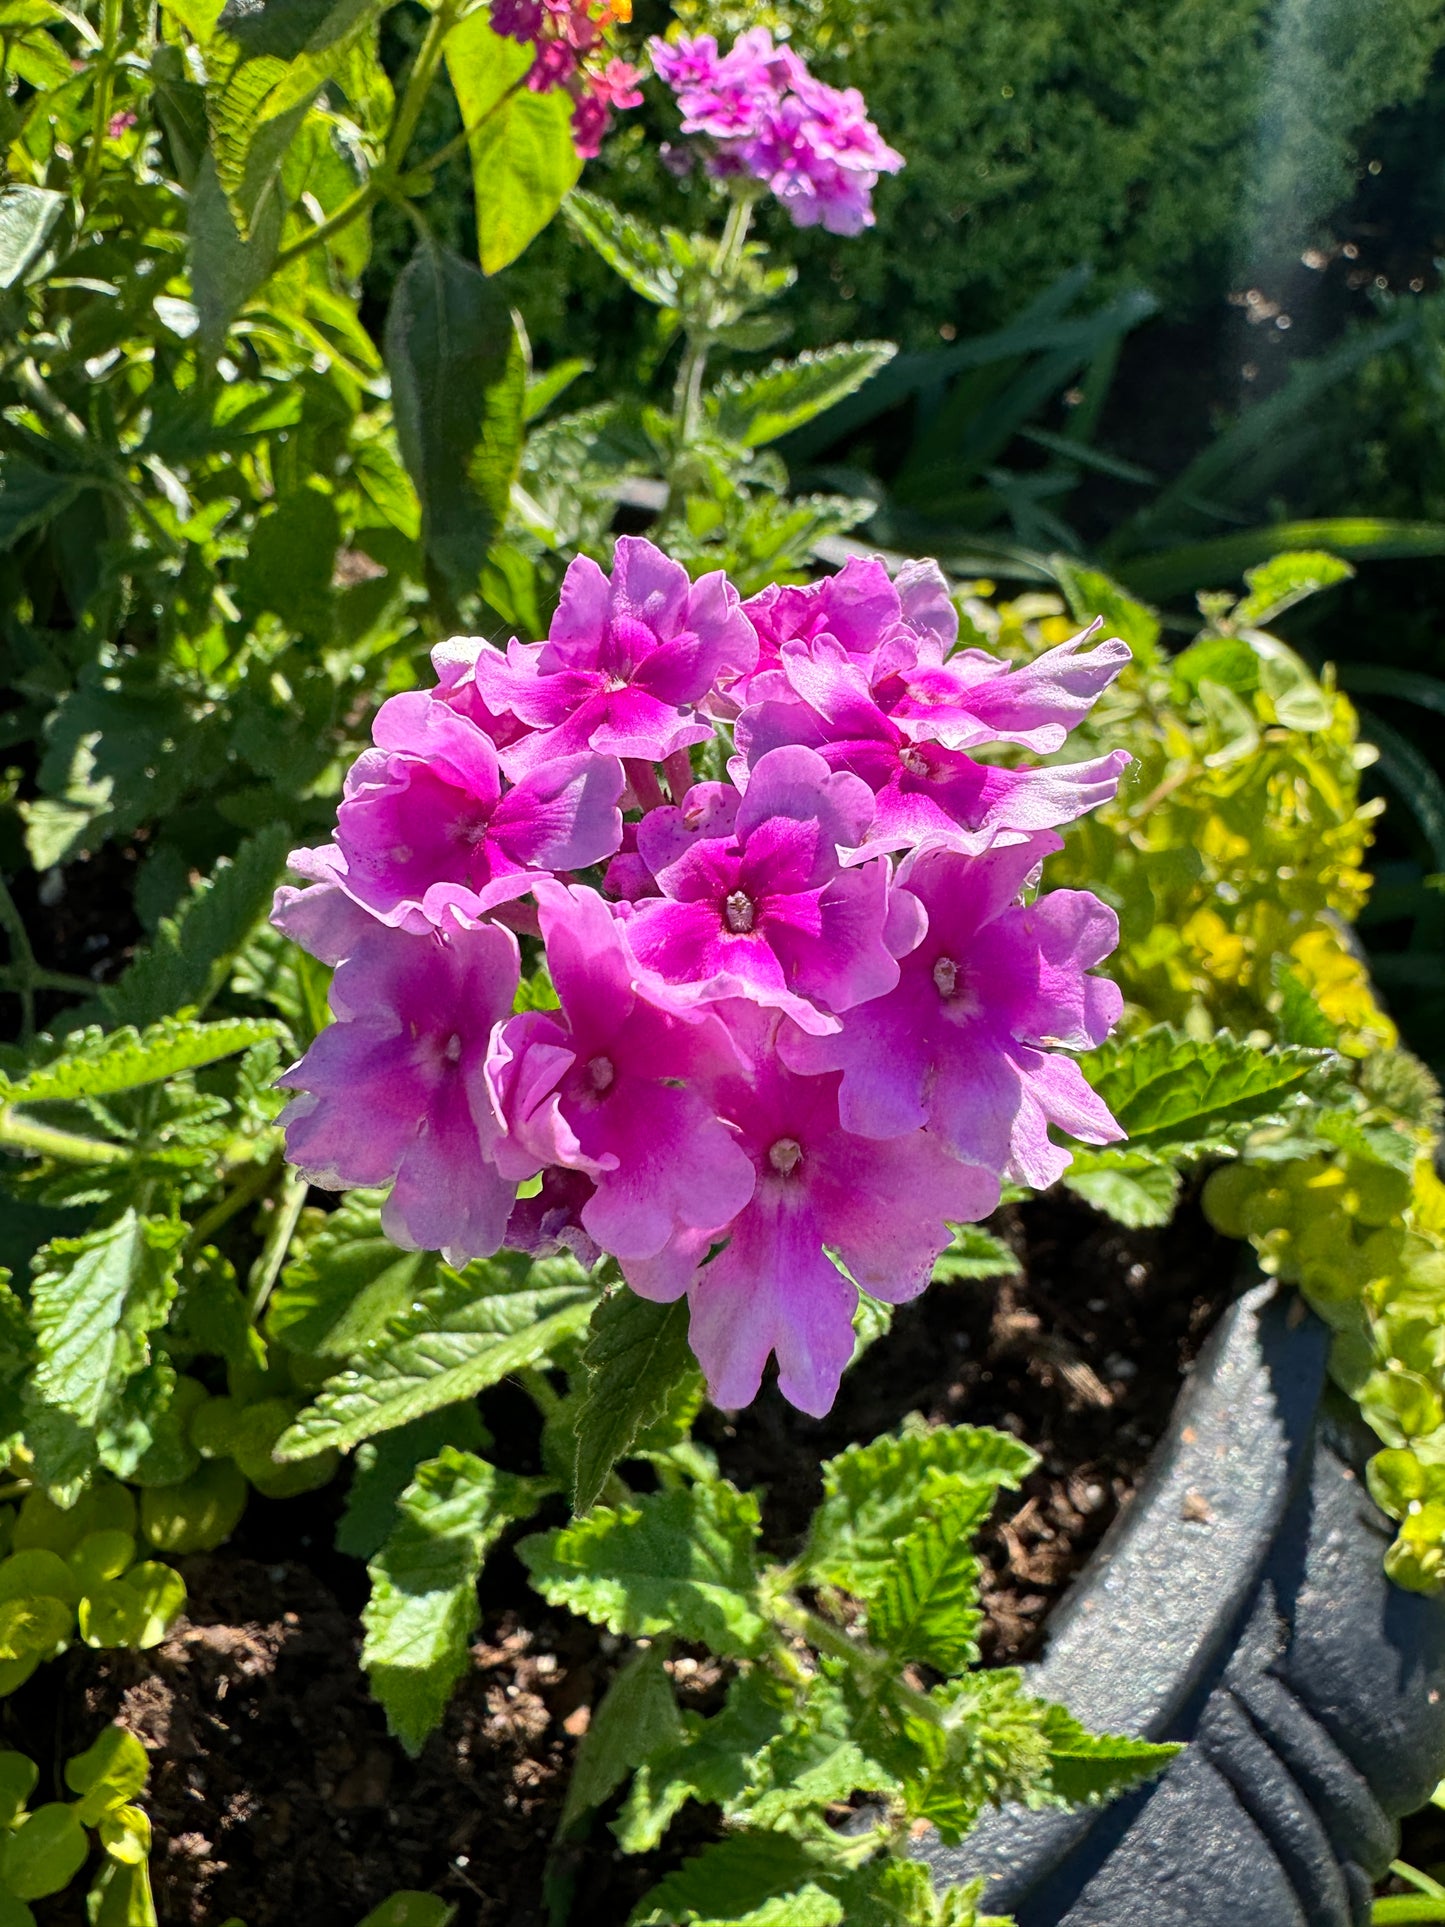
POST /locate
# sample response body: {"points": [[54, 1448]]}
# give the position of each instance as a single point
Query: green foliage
{"points": [[423, 1606], [636, 1355], [462, 1333], [43, 1848]]}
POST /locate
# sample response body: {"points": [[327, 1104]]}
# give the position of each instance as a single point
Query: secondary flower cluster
{"points": [[808, 1008], [764, 115], [571, 50]]}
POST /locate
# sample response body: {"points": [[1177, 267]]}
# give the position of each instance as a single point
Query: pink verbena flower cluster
{"points": [[764, 115], [572, 51], [810, 1011]]}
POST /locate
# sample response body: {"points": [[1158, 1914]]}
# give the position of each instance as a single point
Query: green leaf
{"points": [[975, 1253], [93, 1063], [1199, 565], [637, 1717], [192, 951], [458, 379], [758, 408], [1091, 593], [463, 1333], [347, 1285], [227, 268], [524, 160], [1284, 580], [927, 1608], [814, 1764], [873, 1493], [385, 1467], [197, 1515], [636, 1353], [111, 1770], [1300, 1018], [1088, 1767], [1412, 774], [1179, 1098], [44, 1854], [408, 1909], [679, 1563], [27, 214], [29, 496], [731, 1880], [652, 262], [423, 1606], [1133, 1189], [18, 1778], [711, 1762], [94, 1303]]}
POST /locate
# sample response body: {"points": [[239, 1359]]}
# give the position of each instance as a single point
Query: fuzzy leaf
{"points": [[463, 1333], [636, 1353], [1086, 1766], [192, 951], [652, 263], [92, 1063], [713, 1761], [1181, 1099], [758, 408], [423, 1605], [458, 379], [1132, 1189], [94, 1302], [927, 1608], [679, 1563], [975, 1253], [27, 214], [385, 1467], [347, 1284], [872, 1495], [1284, 580], [730, 1881], [637, 1717]]}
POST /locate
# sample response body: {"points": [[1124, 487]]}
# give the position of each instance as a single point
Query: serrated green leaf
{"points": [[1182, 1099], [227, 266], [192, 951], [759, 408], [975, 1253], [815, 1763], [1088, 1767], [1090, 594], [1284, 580], [423, 1606], [638, 1717], [94, 1303], [463, 1333], [927, 1608], [94, 1063], [1131, 1188], [679, 1563], [1300, 1019], [872, 1494], [650, 261], [712, 1762], [348, 1283], [458, 379], [730, 1881], [385, 1467], [30, 495], [636, 1352]]}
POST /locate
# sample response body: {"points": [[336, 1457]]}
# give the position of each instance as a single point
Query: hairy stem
{"points": [[267, 1268], [255, 1184], [21, 1133]]}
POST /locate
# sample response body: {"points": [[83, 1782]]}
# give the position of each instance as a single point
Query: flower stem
{"points": [[645, 786], [24, 1134], [267, 1268], [678, 771]]}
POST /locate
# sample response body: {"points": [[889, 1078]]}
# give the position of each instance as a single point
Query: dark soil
{"points": [[275, 1793]]}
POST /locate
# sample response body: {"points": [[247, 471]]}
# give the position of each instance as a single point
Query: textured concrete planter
{"points": [[1238, 1605]]}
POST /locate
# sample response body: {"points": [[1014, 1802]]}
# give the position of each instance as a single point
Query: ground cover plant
{"points": [[633, 826]]}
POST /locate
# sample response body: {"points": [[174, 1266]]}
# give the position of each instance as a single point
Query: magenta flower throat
{"points": [[780, 860]]}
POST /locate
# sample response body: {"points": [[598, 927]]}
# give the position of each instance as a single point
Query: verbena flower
{"points": [[811, 1010], [764, 115]]}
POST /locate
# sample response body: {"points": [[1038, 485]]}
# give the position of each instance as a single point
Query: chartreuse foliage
{"points": [[825, 1699], [43, 1848]]}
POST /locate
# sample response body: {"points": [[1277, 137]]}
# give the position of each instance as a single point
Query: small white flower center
{"points": [[740, 913], [785, 1156], [945, 975], [601, 1073], [914, 761], [453, 1051]]}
